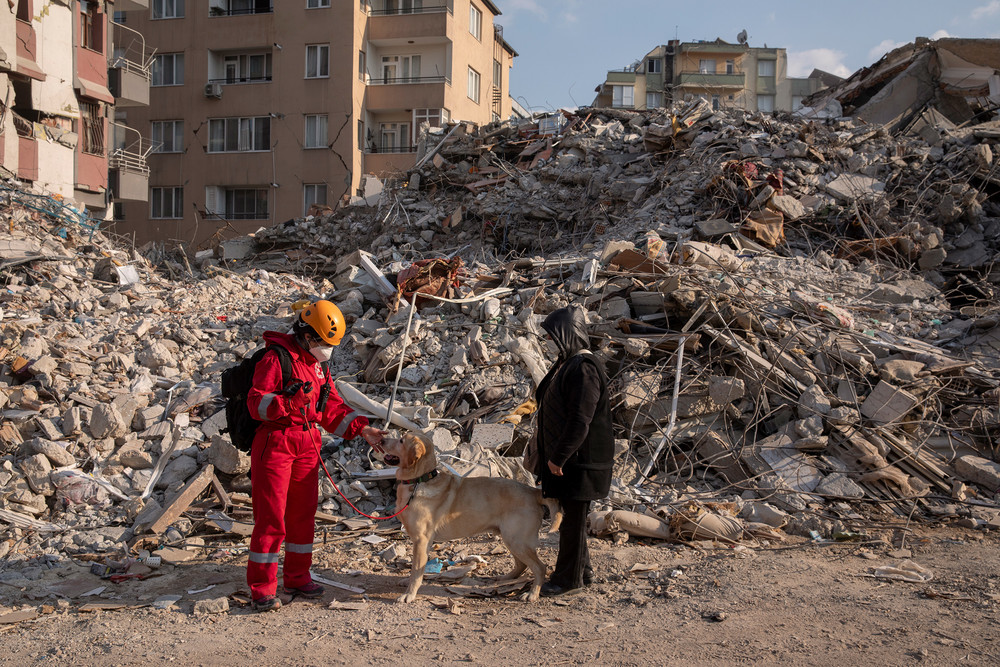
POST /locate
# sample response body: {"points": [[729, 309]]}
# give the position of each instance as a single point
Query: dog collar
{"points": [[420, 480]]}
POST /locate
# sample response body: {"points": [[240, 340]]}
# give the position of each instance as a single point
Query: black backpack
{"points": [[236, 384]]}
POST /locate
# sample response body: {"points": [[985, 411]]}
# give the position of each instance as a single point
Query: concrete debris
{"points": [[811, 326]]}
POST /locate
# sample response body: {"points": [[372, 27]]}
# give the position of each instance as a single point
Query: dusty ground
{"points": [[791, 603]]}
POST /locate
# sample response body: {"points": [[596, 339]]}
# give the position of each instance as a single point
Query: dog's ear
{"points": [[419, 449], [412, 450]]}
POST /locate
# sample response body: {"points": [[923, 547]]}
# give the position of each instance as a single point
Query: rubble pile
{"points": [[790, 314]]}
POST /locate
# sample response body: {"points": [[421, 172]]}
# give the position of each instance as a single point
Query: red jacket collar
{"points": [[288, 342]]}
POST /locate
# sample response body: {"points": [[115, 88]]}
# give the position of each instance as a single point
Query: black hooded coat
{"points": [[574, 415]]}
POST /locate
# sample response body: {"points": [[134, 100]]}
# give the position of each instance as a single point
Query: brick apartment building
{"points": [[259, 109]]}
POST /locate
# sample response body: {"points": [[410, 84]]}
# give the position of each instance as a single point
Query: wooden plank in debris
{"points": [[478, 185], [187, 495], [221, 492]]}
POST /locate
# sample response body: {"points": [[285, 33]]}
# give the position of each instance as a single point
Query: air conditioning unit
{"points": [[213, 90]]}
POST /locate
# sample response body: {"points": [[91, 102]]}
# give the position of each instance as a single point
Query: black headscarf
{"points": [[568, 328]]}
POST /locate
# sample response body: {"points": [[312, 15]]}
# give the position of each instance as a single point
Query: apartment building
{"points": [[260, 109], [726, 75], [64, 68]]}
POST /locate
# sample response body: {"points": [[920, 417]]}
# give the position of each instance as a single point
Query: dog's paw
{"points": [[406, 598]]}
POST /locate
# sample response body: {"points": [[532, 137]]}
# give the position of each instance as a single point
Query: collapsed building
{"points": [[798, 317]]}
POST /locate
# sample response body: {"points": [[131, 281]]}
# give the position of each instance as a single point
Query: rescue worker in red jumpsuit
{"points": [[285, 453]]}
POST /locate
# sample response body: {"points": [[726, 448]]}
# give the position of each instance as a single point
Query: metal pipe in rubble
{"points": [[673, 409], [402, 360]]}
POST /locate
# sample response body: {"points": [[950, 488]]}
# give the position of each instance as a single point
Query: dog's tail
{"points": [[555, 512]]}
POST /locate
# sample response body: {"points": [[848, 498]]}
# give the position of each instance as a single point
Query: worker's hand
{"points": [[297, 394], [555, 470], [373, 436]]}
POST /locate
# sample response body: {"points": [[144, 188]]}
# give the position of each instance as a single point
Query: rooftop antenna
{"points": [[742, 37]]}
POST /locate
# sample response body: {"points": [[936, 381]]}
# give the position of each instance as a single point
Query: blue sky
{"points": [[567, 46]]}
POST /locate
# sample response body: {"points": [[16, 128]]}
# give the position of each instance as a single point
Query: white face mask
{"points": [[321, 352]]}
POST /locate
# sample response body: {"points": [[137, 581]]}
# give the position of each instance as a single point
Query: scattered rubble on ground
{"points": [[797, 316]]}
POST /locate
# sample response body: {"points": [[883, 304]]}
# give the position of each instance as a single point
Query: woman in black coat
{"points": [[575, 443]]}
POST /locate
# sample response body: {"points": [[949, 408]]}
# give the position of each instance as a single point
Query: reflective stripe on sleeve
{"points": [[298, 548], [345, 424], [265, 403], [256, 557]]}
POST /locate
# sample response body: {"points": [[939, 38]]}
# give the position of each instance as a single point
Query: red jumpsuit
{"points": [[284, 461]]}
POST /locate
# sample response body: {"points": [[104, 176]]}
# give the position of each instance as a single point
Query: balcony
{"points": [[128, 169], [426, 25], [706, 81], [130, 67], [617, 76], [426, 92]]}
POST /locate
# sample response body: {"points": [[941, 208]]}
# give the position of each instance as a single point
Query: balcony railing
{"points": [[130, 150], [391, 149], [434, 9], [236, 80], [130, 52], [241, 11], [386, 81]]}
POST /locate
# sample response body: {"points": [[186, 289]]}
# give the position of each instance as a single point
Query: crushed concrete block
{"points": [[491, 436], [107, 422], [135, 458], [887, 403], [53, 451], [839, 485], [615, 308], [640, 388], [227, 458], [979, 471], [900, 370], [723, 389], [904, 291], [36, 471], [214, 606], [177, 470], [813, 402], [636, 347]]}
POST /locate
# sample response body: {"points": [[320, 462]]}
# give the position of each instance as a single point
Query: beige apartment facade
{"points": [[723, 74], [260, 109]]}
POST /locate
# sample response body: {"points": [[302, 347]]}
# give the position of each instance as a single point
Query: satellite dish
{"points": [[742, 37]]}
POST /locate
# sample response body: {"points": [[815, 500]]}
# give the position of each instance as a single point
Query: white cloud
{"points": [[942, 34], [986, 10], [884, 47], [801, 63]]}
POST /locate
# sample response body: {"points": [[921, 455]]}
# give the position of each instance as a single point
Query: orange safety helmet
{"points": [[326, 320]]}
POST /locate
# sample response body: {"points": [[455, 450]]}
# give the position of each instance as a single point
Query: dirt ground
{"points": [[652, 604]]}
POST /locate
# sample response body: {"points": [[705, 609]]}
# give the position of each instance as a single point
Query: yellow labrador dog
{"points": [[445, 507]]}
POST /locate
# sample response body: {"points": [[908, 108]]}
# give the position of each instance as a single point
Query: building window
{"points": [[361, 135], [475, 22], [168, 70], [395, 138], [313, 193], [362, 65], [796, 102], [497, 74], [247, 67], [91, 27], [715, 102], [93, 128], [474, 79], [765, 68], [765, 103], [317, 4], [623, 96], [168, 136], [432, 117], [730, 67], [238, 135], [654, 66], [654, 100], [119, 17], [166, 203], [317, 61], [316, 131], [239, 7], [168, 9], [246, 204], [400, 69], [706, 66]]}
